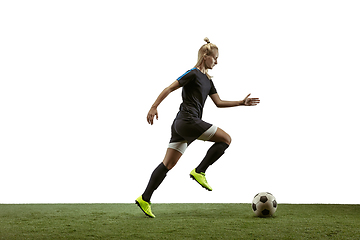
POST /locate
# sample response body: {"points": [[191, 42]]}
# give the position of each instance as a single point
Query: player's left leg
{"points": [[172, 156]]}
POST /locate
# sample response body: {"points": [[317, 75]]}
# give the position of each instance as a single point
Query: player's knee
{"points": [[173, 154], [227, 139], [169, 165]]}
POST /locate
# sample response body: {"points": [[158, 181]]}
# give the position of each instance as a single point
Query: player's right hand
{"points": [[251, 101], [151, 114]]}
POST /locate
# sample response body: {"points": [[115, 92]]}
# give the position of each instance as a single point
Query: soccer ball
{"points": [[264, 204]]}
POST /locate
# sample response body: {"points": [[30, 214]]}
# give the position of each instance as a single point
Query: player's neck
{"points": [[201, 68]]}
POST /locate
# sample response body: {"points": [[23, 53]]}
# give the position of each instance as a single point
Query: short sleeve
{"points": [[212, 89], [186, 77]]}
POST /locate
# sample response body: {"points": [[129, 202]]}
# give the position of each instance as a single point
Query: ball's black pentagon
{"points": [[263, 199], [274, 204], [254, 207], [265, 212]]}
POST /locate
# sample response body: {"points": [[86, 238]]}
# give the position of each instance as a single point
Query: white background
{"points": [[78, 78]]}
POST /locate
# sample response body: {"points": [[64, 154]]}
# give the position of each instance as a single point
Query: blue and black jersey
{"points": [[188, 125], [196, 87]]}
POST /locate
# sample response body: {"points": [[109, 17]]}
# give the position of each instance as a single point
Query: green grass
{"points": [[177, 221]]}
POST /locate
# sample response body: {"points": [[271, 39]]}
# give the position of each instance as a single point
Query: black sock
{"points": [[213, 154], [156, 179]]}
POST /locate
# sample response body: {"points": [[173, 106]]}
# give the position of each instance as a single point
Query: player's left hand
{"points": [[152, 113], [251, 101]]}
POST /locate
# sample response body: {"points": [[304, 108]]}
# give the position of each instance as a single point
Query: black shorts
{"points": [[188, 129]]}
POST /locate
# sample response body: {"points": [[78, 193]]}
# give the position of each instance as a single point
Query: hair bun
{"points": [[207, 40]]}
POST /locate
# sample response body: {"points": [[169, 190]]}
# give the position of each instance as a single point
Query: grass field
{"points": [[177, 221]]}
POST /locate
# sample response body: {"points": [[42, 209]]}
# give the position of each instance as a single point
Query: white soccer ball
{"points": [[264, 204]]}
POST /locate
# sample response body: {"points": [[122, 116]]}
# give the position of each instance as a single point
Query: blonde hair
{"points": [[205, 50]]}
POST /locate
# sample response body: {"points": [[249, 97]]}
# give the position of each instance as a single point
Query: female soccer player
{"points": [[188, 125]]}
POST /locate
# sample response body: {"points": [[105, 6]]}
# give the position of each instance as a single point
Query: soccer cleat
{"points": [[144, 206], [200, 178]]}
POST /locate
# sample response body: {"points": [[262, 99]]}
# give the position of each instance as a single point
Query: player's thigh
{"points": [[172, 156], [221, 136]]}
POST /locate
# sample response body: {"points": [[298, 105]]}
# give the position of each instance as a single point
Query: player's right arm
{"points": [[153, 110]]}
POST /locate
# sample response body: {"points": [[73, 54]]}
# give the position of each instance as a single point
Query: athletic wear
{"points": [[181, 146], [156, 179], [196, 87], [188, 125], [188, 129], [208, 134], [213, 154], [144, 206], [200, 178]]}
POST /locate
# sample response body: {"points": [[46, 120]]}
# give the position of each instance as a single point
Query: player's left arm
{"points": [[245, 102]]}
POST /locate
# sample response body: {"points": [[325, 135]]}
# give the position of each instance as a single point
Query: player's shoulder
{"points": [[188, 73]]}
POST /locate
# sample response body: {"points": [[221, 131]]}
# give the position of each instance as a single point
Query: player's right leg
{"points": [[172, 156], [220, 136], [222, 141]]}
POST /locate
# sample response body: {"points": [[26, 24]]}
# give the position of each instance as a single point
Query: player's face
{"points": [[211, 61]]}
